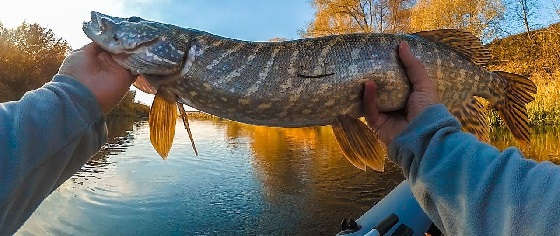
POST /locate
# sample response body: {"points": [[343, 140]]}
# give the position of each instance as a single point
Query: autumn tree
{"points": [[29, 56], [523, 12], [475, 16], [352, 16]]}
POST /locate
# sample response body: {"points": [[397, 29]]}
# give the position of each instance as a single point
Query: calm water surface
{"points": [[247, 180]]}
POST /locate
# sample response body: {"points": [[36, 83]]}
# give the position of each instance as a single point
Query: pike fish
{"points": [[306, 82]]}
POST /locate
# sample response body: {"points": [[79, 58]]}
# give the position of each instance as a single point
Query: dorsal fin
{"points": [[463, 42]]}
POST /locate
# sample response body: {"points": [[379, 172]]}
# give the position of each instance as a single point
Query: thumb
{"points": [[415, 70]]}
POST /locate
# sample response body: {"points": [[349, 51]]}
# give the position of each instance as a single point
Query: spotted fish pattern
{"points": [[312, 81]]}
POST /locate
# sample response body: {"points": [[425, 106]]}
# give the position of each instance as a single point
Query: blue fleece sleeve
{"points": [[470, 188], [44, 138]]}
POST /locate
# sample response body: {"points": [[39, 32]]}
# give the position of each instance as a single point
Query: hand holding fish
{"points": [[100, 73], [424, 94]]}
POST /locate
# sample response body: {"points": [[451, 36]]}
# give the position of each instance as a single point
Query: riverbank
{"points": [[535, 55], [129, 108]]}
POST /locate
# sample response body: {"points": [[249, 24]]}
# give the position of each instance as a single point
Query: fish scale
{"points": [[307, 82]]}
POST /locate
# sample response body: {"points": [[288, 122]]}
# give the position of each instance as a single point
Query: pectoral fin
{"points": [[187, 126], [473, 120], [163, 116], [359, 143]]}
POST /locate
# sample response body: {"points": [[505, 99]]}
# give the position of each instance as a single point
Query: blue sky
{"points": [[248, 19]]}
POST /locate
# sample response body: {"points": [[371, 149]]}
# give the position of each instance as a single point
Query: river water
{"points": [[246, 180]]}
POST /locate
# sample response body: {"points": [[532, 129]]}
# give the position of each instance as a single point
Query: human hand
{"points": [[95, 68], [423, 94]]}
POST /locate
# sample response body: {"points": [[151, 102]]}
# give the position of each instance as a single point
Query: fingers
{"points": [[370, 101], [424, 91], [106, 60], [415, 70], [373, 116]]}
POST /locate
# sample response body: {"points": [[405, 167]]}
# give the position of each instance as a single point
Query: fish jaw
{"points": [[141, 46]]}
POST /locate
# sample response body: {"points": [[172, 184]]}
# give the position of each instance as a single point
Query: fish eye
{"points": [[115, 37], [135, 19]]}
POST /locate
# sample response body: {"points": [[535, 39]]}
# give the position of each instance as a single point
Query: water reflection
{"points": [[119, 138], [542, 147], [247, 180], [304, 170]]}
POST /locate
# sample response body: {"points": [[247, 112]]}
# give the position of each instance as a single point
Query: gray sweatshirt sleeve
{"points": [[470, 188], [44, 138]]}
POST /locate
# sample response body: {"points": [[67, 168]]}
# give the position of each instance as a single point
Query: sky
{"points": [[256, 20]]}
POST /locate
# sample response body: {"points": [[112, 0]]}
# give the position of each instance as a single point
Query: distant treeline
{"points": [[30, 56], [201, 116]]}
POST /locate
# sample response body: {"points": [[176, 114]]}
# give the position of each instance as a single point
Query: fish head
{"points": [[144, 47]]}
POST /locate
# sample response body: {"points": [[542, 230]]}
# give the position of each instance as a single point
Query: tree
{"points": [[398, 16], [523, 12], [29, 56], [352, 16], [475, 16]]}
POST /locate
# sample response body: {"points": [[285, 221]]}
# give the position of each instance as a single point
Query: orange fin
{"points": [[359, 143], [144, 85], [163, 116]]}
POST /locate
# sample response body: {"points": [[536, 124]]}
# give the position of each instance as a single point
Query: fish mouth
{"points": [[94, 30], [99, 30], [129, 44]]}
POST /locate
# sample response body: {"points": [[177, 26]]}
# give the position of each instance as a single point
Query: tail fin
{"points": [[519, 92]]}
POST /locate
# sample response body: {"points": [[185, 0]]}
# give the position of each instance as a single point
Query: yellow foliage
{"points": [[471, 15], [404, 16], [29, 56], [353, 16], [545, 110]]}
